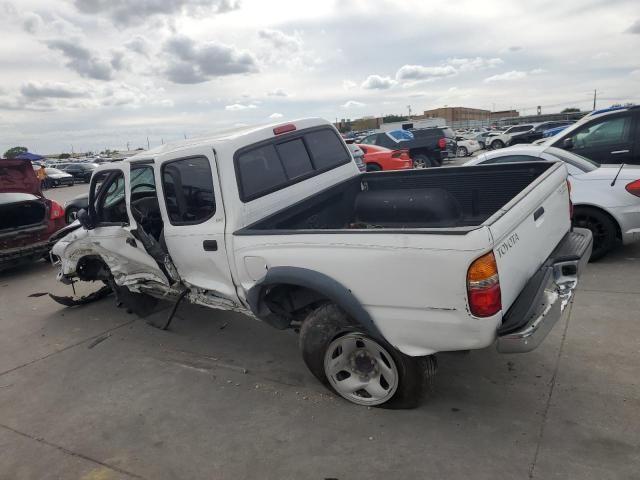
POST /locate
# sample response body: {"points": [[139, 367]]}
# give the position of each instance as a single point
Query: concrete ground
{"points": [[95, 393]]}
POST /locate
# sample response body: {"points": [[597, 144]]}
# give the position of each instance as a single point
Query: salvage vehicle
{"points": [[606, 198], [380, 158], [57, 178], [27, 218], [466, 146], [428, 147], [376, 271]]}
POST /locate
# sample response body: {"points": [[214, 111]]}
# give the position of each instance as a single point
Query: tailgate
{"points": [[531, 227]]}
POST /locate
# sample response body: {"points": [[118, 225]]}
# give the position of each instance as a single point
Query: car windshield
{"points": [[578, 161], [53, 171]]}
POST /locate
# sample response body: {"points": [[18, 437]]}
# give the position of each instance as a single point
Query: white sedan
{"points": [[606, 199], [466, 146]]}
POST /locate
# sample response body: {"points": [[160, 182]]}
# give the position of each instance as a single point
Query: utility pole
{"points": [[148, 142], [409, 108], [127, 146], [594, 98]]}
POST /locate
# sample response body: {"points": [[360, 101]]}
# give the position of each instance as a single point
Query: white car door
{"points": [[112, 237], [194, 220]]}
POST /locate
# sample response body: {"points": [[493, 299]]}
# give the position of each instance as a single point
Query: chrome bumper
{"points": [[547, 302]]}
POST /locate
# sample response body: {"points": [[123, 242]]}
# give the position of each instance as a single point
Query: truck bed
{"points": [[450, 198]]}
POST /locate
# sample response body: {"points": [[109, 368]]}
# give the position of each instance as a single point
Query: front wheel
{"points": [[496, 144], [602, 227], [362, 369], [422, 161], [462, 152]]}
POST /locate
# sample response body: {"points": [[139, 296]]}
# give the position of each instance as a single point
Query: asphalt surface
{"points": [[95, 393]]}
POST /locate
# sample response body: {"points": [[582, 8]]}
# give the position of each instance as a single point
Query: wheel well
{"points": [[611, 217], [91, 268], [419, 151], [291, 303]]}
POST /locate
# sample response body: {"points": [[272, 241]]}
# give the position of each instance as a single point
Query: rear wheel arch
{"points": [[374, 167], [305, 289], [578, 206]]}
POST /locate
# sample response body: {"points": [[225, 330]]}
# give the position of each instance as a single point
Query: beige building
{"points": [[462, 114]]}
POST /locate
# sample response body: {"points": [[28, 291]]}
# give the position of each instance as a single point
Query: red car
{"points": [[27, 218], [381, 158]]}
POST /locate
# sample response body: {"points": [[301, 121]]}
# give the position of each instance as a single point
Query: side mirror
{"points": [[85, 219], [567, 143]]}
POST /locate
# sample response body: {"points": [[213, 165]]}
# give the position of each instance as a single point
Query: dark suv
{"points": [[429, 147], [535, 132], [80, 171]]}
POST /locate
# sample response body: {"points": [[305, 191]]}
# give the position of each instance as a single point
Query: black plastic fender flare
{"points": [[319, 282]]}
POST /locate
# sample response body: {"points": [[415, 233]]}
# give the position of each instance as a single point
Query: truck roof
{"points": [[241, 136]]}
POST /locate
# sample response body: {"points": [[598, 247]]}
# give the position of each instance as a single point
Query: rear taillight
{"points": [[483, 287], [633, 188], [442, 143], [400, 154], [56, 211]]}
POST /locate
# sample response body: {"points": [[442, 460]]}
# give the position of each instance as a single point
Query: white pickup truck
{"points": [[377, 271]]}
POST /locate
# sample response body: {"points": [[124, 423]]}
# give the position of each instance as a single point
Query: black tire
{"points": [[602, 226], [329, 322], [496, 144], [462, 152], [373, 167], [72, 184], [422, 161], [482, 145], [70, 215]]}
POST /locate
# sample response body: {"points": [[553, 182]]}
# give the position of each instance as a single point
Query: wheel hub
{"points": [[363, 364]]}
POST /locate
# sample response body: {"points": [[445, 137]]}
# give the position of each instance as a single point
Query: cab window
{"points": [[188, 190], [109, 197], [608, 131]]}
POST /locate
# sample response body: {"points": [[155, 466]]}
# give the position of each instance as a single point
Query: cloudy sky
{"points": [[107, 73]]}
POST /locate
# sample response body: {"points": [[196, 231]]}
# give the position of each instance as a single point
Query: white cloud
{"points": [[275, 116], [236, 107], [32, 22], [537, 71], [281, 40], [376, 82], [634, 28], [420, 72], [353, 104], [506, 77], [81, 59], [477, 63], [348, 84], [33, 89], [278, 92]]}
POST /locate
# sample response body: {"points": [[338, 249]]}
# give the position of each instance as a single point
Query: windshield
{"points": [[578, 161], [53, 171]]}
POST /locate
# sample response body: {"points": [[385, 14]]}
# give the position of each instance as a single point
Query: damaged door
{"points": [[115, 234], [194, 223]]}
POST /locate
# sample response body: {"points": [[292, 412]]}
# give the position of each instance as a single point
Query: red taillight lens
{"points": [[483, 287], [633, 188], [289, 127], [56, 211], [399, 154], [442, 143]]}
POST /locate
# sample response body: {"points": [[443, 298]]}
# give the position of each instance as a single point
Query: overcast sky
{"points": [[104, 73]]}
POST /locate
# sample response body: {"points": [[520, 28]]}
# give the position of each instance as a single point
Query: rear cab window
{"points": [[277, 163]]}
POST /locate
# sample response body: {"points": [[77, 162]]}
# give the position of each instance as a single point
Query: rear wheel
{"points": [[482, 146], [422, 161], [602, 226], [373, 167], [358, 367], [462, 152], [496, 144]]}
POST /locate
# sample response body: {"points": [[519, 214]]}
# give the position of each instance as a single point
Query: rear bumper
{"points": [[545, 298], [15, 255]]}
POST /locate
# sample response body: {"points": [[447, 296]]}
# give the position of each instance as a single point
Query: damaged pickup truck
{"points": [[377, 271]]}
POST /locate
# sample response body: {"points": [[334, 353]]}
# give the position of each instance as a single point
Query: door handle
{"points": [[618, 152], [210, 245], [538, 213]]}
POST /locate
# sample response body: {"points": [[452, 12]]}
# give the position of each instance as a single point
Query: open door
{"points": [[112, 193]]}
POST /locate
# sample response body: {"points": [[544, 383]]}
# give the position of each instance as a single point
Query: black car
{"points": [[73, 206], [609, 136], [79, 171], [429, 147]]}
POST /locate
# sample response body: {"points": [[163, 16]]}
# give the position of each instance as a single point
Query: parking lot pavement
{"points": [[63, 194], [93, 392]]}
